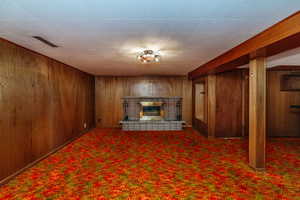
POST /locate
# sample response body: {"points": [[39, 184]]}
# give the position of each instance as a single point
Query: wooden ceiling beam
{"points": [[285, 68], [284, 35]]}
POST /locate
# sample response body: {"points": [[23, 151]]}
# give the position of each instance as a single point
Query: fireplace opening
{"points": [[151, 111]]}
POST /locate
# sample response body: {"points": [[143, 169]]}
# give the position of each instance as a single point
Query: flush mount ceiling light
{"points": [[149, 56]]}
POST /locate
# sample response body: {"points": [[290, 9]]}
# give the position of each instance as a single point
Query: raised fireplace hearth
{"points": [[152, 113]]}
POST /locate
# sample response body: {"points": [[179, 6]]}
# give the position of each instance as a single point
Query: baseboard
{"points": [[187, 126], [283, 137], [258, 169], [7, 179], [232, 138]]}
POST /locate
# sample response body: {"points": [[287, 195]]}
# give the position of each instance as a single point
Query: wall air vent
{"points": [[43, 40]]}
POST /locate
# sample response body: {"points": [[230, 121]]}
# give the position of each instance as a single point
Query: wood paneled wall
{"points": [[200, 125], [281, 120], [232, 105], [110, 90], [227, 96], [43, 104], [229, 104]]}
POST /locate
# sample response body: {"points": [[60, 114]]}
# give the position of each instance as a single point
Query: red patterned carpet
{"points": [[111, 164]]}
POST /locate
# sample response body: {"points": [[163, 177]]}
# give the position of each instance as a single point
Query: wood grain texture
{"points": [[110, 90], [227, 97], [285, 68], [245, 103], [290, 82], [257, 112], [280, 37], [200, 125], [282, 121], [43, 104], [211, 105], [229, 104], [200, 102]]}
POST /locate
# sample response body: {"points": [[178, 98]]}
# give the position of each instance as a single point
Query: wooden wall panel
{"points": [[229, 104], [110, 90], [232, 106], [200, 125], [43, 104], [211, 105], [281, 121], [227, 95], [200, 107], [245, 102]]}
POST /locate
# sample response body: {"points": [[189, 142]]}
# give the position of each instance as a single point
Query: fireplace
{"points": [[151, 110], [152, 113]]}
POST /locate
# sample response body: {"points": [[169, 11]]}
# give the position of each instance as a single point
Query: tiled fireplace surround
{"points": [[172, 118]]}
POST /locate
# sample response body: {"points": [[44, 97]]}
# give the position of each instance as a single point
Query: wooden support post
{"points": [[257, 111], [211, 105]]}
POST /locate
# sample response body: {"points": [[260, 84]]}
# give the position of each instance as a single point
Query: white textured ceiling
{"points": [[102, 37]]}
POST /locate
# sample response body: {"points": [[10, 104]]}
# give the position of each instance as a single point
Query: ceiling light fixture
{"points": [[149, 56]]}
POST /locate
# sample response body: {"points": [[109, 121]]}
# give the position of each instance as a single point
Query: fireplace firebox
{"points": [[151, 111]]}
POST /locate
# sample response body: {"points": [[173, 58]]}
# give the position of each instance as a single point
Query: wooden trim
{"points": [[245, 103], [257, 113], [199, 125], [280, 37], [40, 54], [243, 106], [7, 179], [200, 80], [285, 68]]}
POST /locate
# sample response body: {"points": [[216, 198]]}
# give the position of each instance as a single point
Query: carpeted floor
{"points": [[111, 164]]}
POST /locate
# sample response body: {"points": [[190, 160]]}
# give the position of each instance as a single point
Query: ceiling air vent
{"points": [[43, 40]]}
